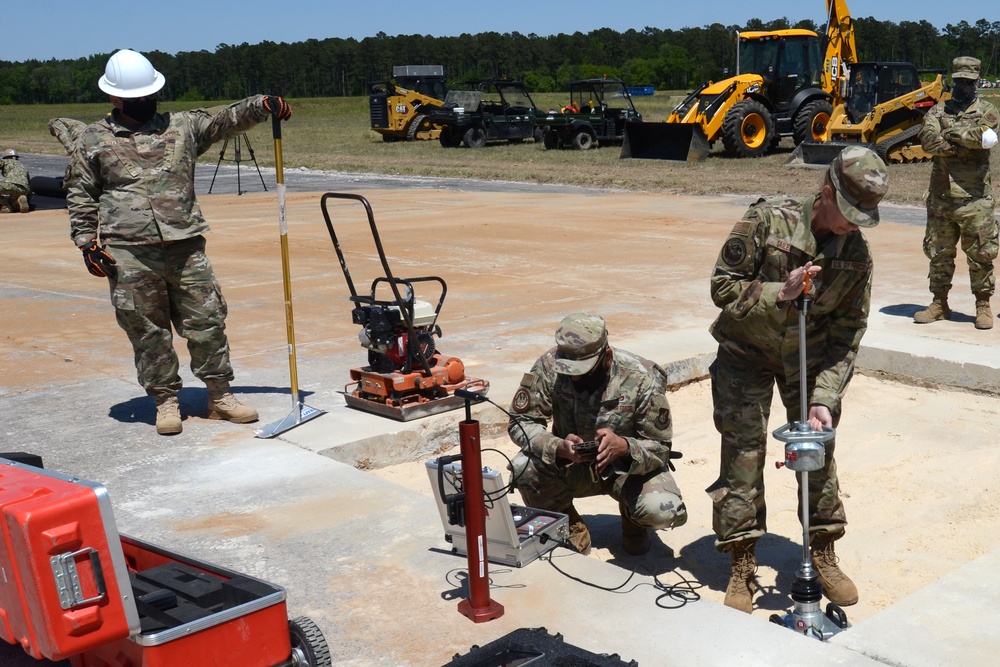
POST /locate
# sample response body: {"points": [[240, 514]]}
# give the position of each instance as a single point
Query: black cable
{"points": [[682, 593]]}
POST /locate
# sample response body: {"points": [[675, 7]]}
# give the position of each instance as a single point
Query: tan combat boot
{"points": [[168, 415], [739, 593], [635, 538], [22, 204], [579, 534], [837, 585], [938, 310], [223, 405], [984, 316]]}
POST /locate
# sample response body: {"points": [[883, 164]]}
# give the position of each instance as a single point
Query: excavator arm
{"points": [[840, 49]]}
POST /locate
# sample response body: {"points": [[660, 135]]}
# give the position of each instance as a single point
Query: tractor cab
{"points": [[788, 61], [874, 83]]}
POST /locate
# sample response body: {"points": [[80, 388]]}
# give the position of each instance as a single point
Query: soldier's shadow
{"points": [[908, 310], [775, 552]]}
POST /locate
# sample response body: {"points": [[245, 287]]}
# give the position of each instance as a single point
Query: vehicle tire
{"points": [[447, 138], [309, 647], [418, 124], [748, 129], [812, 122], [475, 137], [583, 140], [551, 141], [538, 135]]}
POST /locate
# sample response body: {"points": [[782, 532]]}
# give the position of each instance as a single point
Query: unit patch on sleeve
{"points": [[734, 252], [522, 400]]}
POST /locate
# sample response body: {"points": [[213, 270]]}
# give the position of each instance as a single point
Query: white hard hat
{"points": [[10, 152], [129, 74]]}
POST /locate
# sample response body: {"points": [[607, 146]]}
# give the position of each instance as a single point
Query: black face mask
{"points": [[963, 94], [140, 110], [594, 380]]}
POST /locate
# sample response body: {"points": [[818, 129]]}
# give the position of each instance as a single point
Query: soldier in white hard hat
{"points": [[15, 184], [134, 215]]}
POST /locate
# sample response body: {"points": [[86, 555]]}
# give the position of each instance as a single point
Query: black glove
{"points": [[278, 107], [99, 262]]}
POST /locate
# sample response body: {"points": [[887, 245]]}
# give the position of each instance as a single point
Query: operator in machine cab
{"points": [[590, 392]]}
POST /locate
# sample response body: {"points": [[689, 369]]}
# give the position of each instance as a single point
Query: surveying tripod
{"points": [[238, 157]]}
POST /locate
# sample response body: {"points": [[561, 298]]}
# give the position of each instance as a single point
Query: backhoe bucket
{"points": [[664, 141], [823, 152]]}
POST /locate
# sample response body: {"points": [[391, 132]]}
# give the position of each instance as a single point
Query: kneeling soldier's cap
{"points": [[580, 338]]}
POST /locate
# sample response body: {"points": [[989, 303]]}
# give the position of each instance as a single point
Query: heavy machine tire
{"points": [[583, 140], [309, 647], [812, 122], [475, 137], [748, 129], [418, 124]]}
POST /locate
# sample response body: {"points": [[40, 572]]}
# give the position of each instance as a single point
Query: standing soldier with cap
{"points": [[15, 183], [134, 216], [760, 272], [959, 134], [592, 391]]}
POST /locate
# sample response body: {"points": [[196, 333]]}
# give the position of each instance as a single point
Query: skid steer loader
{"points": [[785, 85], [884, 109], [398, 109]]}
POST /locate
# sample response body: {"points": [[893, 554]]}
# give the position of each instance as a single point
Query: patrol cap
{"points": [[580, 339], [965, 67], [860, 179]]}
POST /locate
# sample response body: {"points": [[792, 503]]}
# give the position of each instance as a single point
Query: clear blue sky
{"points": [[45, 29]]}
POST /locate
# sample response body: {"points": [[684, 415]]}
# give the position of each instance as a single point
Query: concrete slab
{"points": [[363, 557]]}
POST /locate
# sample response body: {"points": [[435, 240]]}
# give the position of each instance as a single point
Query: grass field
{"points": [[334, 134]]}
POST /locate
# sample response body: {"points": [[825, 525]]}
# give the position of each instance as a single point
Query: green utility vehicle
{"points": [[597, 113], [485, 112]]}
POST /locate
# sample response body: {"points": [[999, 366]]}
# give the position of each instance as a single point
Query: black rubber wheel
{"points": [[812, 121], [309, 647], [538, 135], [418, 124], [583, 140], [551, 140], [447, 138], [475, 137], [748, 129]]}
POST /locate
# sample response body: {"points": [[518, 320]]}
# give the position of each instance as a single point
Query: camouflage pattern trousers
{"points": [[971, 222], [164, 284], [742, 390], [652, 500]]}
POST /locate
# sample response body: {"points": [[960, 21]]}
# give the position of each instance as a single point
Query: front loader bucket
{"points": [[664, 141]]}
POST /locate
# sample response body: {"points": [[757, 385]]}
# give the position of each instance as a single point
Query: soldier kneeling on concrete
{"points": [[15, 184], [593, 392]]}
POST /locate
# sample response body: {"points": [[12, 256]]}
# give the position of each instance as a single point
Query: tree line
{"points": [[668, 59]]}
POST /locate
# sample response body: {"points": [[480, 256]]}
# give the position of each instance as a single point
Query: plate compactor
{"points": [[406, 376]]}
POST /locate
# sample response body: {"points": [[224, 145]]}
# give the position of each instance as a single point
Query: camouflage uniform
{"points": [[960, 204], [759, 347], [633, 404], [134, 191], [15, 181]]}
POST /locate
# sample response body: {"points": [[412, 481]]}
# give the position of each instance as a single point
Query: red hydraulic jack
{"points": [[478, 607]]}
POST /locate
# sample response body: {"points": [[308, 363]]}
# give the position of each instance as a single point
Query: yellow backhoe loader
{"points": [[787, 83]]}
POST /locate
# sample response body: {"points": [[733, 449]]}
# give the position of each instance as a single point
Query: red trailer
{"points": [[73, 588]]}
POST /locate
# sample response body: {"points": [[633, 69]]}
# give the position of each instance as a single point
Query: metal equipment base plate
{"points": [[416, 410]]}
